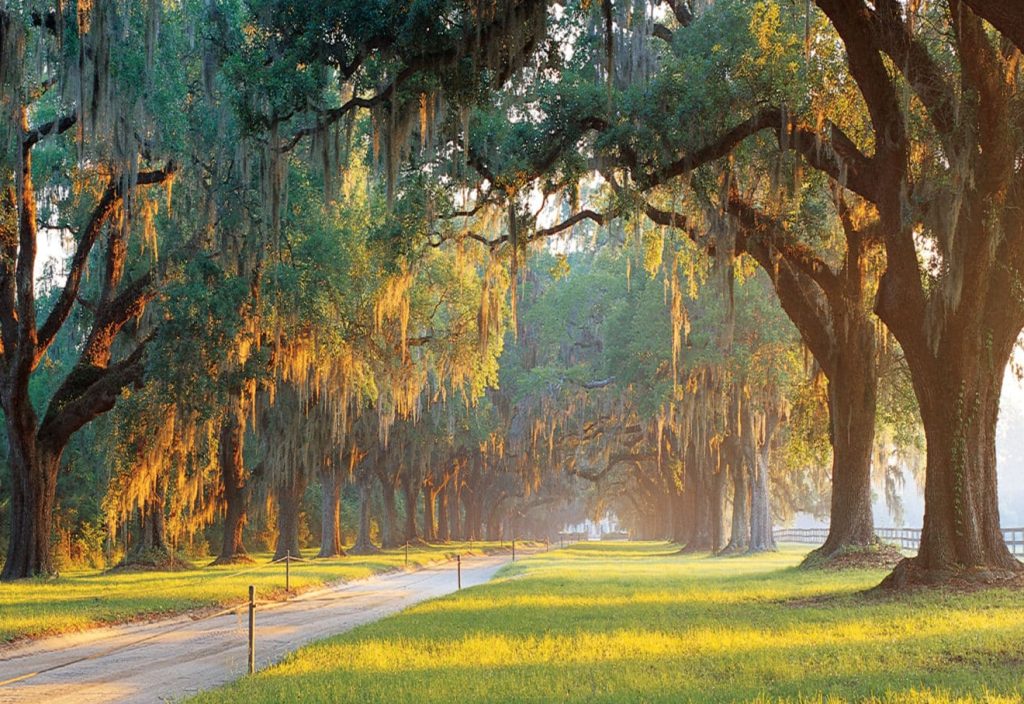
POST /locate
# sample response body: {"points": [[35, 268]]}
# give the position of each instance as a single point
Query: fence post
{"points": [[513, 549], [406, 553], [252, 629], [458, 569], [287, 571]]}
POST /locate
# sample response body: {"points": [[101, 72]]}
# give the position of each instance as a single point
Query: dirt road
{"points": [[169, 660]]}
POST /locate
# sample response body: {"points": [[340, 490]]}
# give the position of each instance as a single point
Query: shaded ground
{"points": [[170, 659], [634, 623]]}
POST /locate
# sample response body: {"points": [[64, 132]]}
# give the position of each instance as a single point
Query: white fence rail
{"points": [[905, 538]]}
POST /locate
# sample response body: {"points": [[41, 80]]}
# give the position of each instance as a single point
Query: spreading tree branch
{"points": [[112, 195]]}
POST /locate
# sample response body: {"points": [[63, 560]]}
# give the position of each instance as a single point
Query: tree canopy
{"points": [[438, 269]]}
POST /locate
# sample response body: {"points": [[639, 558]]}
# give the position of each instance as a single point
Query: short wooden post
{"points": [[406, 553], [252, 629], [513, 549], [287, 571], [458, 569]]}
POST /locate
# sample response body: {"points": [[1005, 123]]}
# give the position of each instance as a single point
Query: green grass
{"points": [[635, 623], [79, 600]]}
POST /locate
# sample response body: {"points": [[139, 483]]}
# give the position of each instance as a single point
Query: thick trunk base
{"points": [[874, 555], [363, 545], [911, 574], [233, 484], [366, 548]]}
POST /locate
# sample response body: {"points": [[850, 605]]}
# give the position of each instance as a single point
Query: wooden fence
{"points": [[905, 538]]}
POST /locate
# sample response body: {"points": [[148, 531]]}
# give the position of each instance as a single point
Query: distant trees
{"points": [[657, 426]]}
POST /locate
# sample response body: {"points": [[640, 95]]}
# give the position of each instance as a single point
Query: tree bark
{"points": [[718, 488], [33, 491], [444, 533], [959, 396], [289, 505], [697, 483], [151, 544], [830, 310], [411, 489], [330, 512], [852, 391], [455, 500], [364, 545], [739, 535], [389, 524], [230, 455], [94, 383], [761, 536], [957, 361], [429, 500]]}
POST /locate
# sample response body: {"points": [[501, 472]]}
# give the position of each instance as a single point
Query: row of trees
{"points": [[338, 286], [255, 317], [764, 128]]}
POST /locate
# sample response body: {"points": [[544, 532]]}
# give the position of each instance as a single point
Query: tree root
{"points": [[875, 555], [910, 575], [239, 558]]}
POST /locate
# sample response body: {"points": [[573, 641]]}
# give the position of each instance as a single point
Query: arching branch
{"points": [[833, 153], [1007, 17], [98, 218]]}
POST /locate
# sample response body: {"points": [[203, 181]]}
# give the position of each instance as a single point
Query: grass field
{"points": [[79, 600], [635, 623]]}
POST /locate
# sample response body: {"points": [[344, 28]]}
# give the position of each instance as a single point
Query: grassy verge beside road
{"points": [[636, 622], [79, 600]]}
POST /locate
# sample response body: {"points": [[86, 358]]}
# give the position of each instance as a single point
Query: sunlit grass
{"points": [[633, 622], [79, 600]]}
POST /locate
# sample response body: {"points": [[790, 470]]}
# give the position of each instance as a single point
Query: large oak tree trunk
{"points": [[411, 490], [471, 520], [757, 452], [330, 512], [697, 483], [389, 526], [493, 531], [454, 519], [739, 535], [957, 360], [95, 382], [34, 469], [852, 398], [230, 453], [151, 544], [289, 506], [718, 487], [444, 533], [364, 545], [959, 398], [831, 313], [761, 537], [429, 501]]}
